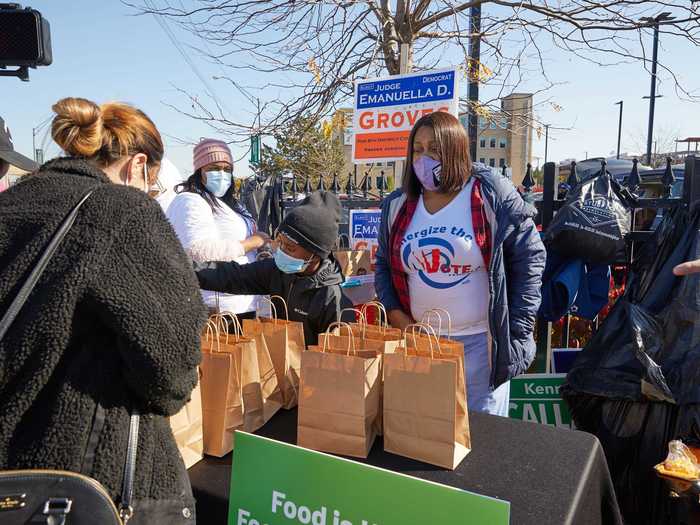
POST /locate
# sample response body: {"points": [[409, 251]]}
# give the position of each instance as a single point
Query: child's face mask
{"points": [[288, 264]]}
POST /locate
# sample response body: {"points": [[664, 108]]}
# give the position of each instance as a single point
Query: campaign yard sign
{"points": [[536, 398], [364, 231], [385, 110]]}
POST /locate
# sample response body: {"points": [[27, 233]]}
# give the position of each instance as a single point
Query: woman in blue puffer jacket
{"points": [[459, 237]]}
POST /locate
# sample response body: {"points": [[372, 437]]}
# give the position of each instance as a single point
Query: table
{"points": [[550, 476], [684, 505]]}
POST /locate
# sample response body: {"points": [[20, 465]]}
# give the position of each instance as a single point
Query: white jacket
{"points": [[215, 235]]}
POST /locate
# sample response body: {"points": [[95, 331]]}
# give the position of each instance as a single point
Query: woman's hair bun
{"points": [[77, 127]]}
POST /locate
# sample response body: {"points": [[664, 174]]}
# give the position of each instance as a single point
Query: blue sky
{"points": [[103, 53]]}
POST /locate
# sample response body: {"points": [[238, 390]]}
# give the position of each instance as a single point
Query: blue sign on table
{"points": [[365, 224]]}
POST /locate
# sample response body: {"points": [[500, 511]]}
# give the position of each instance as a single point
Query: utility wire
{"points": [[188, 60]]}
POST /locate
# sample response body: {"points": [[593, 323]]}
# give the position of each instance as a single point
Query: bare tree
{"points": [[307, 53], [663, 144]]}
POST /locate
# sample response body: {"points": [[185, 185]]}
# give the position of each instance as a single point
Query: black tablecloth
{"points": [[550, 476]]}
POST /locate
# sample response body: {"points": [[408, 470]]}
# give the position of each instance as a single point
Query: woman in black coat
{"points": [[112, 326]]}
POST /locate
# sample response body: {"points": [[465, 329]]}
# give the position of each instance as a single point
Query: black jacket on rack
{"points": [[113, 326]]}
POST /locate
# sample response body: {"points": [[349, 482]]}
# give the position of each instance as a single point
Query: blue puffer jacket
{"points": [[515, 272]]}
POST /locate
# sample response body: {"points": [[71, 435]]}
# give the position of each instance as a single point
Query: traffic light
{"points": [[25, 40]]}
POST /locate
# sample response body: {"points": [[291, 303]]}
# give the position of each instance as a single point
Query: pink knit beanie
{"points": [[211, 150]]}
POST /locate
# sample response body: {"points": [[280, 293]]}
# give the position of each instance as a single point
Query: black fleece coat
{"points": [[314, 300], [112, 326]]}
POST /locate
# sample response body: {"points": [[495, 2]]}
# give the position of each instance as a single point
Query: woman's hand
{"points": [[398, 319], [255, 241]]}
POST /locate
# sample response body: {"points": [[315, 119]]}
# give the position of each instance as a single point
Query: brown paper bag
{"points": [[336, 341], [381, 329], [340, 342], [362, 329], [285, 342], [353, 262], [339, 399], [423, 339], [187, 429], [260, 403], [425, 405], [239, 387]]}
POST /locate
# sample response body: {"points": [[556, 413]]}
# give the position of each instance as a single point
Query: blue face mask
{"points": [[288, 264], [218, 182]]}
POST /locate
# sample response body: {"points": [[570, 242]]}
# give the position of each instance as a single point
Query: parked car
{"points": [[652, 187], [618, 168]]}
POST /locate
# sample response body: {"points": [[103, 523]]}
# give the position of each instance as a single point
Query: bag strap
{"points": [[126, 510], [38, 270]]}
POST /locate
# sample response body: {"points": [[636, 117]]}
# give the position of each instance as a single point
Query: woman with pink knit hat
{"points": [[211, 224]]}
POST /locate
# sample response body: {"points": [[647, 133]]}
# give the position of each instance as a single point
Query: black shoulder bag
{"points": [[56, 497]]}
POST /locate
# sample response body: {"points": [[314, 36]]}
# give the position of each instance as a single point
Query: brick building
{"points": [[505, 136]]}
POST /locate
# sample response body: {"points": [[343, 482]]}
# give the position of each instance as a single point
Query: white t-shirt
{"points": [[445, 266], [193, 221]]}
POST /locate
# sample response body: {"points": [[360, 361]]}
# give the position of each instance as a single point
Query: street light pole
{"points": [[405, 66], [546, 142], [655, 23], [652, 93], [619, 128], [473, 70]]}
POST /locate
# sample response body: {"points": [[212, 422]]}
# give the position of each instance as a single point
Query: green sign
{"points": [[536, 398], [273, 483], [255, 149]]}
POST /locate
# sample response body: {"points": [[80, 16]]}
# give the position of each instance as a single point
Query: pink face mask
{"points": [[428, 172]]}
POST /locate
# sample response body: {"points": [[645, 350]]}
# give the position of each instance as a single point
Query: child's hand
{"points": [[255, 241]]}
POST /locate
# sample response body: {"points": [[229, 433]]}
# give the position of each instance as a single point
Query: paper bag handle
{"points": [[338, 245], [217, 321], [363, 319], [380, 310], [212, 329], [284, 303], [236, 324], [428, 330], [273, 308], [436, 312], [351, 337]]}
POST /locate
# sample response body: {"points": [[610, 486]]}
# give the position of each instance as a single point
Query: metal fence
{"points": [[353, 196]]}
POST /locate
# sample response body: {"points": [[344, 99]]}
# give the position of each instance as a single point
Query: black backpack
{"points": [[593, 222]]}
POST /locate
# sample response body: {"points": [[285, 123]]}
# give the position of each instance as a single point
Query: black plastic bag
{"points": [[652, 334], [270, 215], [636, 385], [253, 196], [592, 224]]}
